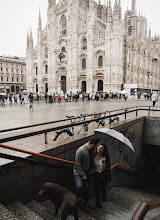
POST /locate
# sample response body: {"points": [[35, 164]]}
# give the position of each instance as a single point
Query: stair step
{"points": [[22, 212], [156, 218], [83, 216], [120, 199], [5, 214], [116, 210], [153, 213], [137, 194], [49, 205], [41, 210]]}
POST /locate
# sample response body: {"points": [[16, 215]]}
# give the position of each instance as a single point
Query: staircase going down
{"points": [[120, 205]]}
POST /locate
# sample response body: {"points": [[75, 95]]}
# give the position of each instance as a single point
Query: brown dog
{"points": [[62, 198]]}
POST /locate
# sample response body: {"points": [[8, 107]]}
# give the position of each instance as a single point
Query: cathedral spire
{"points": [[149, 32], [51, 4], [120, 10], [39, 21], [27, 41], [109, 12], [117, 10], [134, 7], [31, 39], [126, 23]]}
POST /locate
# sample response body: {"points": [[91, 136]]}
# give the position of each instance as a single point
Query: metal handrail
{"points": [[144, 207], [37, 154], [45, 131], [129, 168], [47, 123], [77, 117], [61, 160]]}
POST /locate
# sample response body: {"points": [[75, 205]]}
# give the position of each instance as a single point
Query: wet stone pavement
{"points": [[19, 115]]}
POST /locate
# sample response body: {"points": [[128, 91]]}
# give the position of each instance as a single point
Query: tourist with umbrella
{"points": [[101, 174]]}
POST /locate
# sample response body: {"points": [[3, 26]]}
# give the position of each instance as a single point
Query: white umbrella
{"points": [[124, 92], [2, 93], [115, 138]]}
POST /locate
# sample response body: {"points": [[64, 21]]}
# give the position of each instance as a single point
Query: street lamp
{"points": [[149, 74], [61, 54]]}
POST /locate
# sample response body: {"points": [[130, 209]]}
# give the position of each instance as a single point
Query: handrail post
{"points": [[136, 112], [46, 138], [149, 111], [125, 113]]}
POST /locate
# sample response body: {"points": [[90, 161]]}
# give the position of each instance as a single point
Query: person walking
{"points": [[101, 174], [154, 98], [15, 99], [22, 99], [84, 162], [30, 97]]}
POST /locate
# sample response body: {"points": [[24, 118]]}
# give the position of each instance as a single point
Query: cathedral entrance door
{"points": [[46, 87], [100, 85], [36, 88], [83, 86], [63, 84]]}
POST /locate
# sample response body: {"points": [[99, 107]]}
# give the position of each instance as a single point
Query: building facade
{"points": [[12, 74], [102, 51]]}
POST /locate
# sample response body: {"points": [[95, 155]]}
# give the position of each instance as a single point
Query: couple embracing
{"points": [[92, 161]]}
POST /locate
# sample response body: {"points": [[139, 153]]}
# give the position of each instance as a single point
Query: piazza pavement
{"points": [[12, 116]]}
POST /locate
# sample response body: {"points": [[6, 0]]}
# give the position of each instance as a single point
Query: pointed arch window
{"points": [[46, 69], [84, 43], [83, 64], [46, 52], [63, 50], [100, 61], [36, 70], [64, 25]]}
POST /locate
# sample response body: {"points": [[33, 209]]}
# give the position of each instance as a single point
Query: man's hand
{"points": [[84, 178]]}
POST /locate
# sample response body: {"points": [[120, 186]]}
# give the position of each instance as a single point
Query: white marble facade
{"points": [[103, 51]]}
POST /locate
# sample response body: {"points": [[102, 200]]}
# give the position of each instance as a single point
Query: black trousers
{"points": [[100, 185], [154, 102]]}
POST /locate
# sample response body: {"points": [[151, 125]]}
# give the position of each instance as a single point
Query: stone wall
{"points": [[22, 182], [152, 131]]}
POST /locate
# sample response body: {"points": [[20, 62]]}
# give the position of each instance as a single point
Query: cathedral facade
{"points": [[87, 47]]}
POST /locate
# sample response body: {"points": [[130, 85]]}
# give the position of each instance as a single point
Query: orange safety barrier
{"points": [[58, 159]]}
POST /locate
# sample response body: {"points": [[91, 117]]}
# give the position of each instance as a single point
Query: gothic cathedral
{"points": [[86, 46]]}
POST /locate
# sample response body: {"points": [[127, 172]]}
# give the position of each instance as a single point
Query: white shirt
{"points": [[100, 165]]}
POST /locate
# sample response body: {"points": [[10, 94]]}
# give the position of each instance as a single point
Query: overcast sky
{"points": [[16, 17]]}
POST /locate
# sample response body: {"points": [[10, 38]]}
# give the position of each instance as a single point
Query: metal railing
{"points": [[52, 158], [45, 131]]}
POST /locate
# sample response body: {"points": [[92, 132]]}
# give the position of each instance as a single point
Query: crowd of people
{"points": [[22, 98]]}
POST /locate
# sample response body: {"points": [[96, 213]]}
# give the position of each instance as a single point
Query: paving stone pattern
{"points": [[120, 205]]}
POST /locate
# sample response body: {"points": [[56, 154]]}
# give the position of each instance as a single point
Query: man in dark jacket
{"points": [[84, 166]]}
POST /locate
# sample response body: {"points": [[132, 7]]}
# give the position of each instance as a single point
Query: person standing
{"points": [[84, 162], [154, 98], [22, 99], [46, 97], [101, 174]]}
